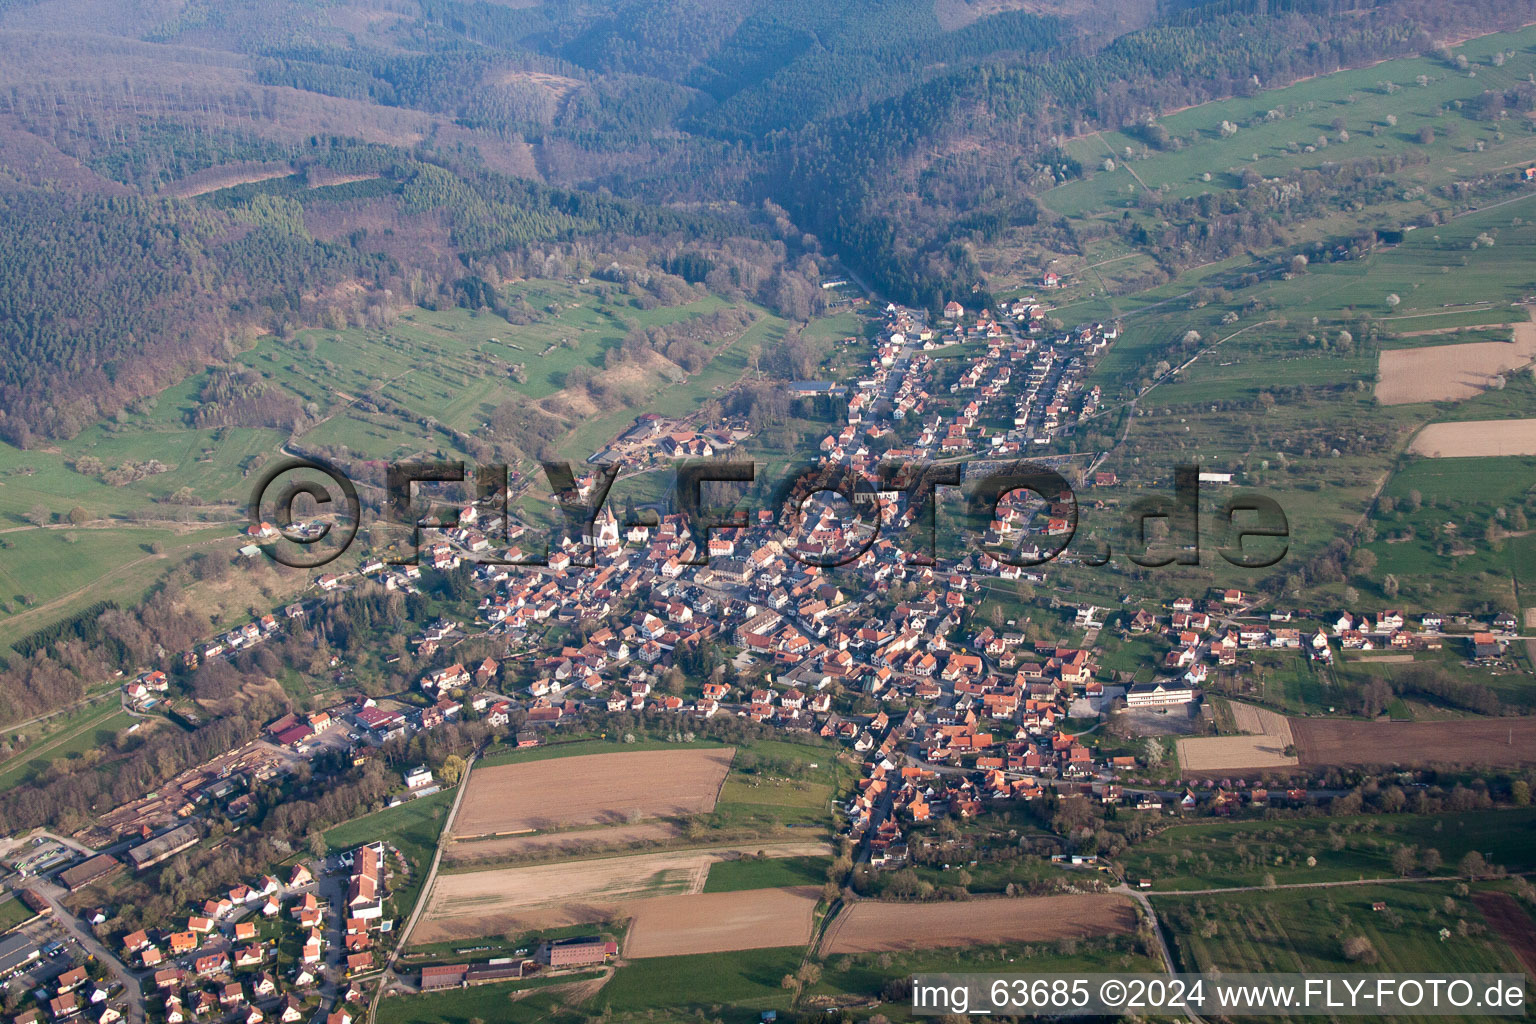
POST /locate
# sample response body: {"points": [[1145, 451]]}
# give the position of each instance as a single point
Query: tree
{"points": [[1403, 860], [452, 770], [1472, 865], [1520, 793], [39, 515], [1430, 859], [1360, 949]]}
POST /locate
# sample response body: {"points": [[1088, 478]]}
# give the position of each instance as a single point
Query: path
{"points": [[1124, 163], [1395, 880], [1157, 932], [1131, 405]]}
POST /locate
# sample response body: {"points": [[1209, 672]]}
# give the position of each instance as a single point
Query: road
{"points": [[1157, 932], [132, 991], [387, 972]]}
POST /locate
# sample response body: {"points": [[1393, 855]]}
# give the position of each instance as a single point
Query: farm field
{"points": [[1269, 733], [521, 1002], [1226, 854], [1507, 917], [660, 925], [766, 873], [707, 922], [592, 789], [733, 986], [608, 880], [1451, 373], [1496, 742], [1304, 930], [467, 853], [869, 926], [866, 974], [1476, 438]]}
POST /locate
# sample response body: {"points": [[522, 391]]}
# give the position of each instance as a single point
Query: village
{"points": [[982, 710]]}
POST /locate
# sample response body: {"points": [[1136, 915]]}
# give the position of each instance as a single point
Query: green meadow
{"points": [[1423, 927], [1277, 143]]}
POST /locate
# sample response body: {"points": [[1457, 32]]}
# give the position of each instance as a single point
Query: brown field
{"points": [[1270, 734], [715, 921], [873, 927], [509, 890], [1513, 924], [1450, 373], [660, 925], [1475, 438], [592, 789], [548, 844], [600, 884], [1486, 742]]}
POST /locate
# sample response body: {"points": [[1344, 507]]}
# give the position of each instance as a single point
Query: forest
{"points": [[167, 209]]}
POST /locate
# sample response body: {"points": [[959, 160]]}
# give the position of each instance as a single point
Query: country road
{"points": [[385, 975]]}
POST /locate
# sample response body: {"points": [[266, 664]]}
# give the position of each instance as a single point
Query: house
{"points": [[214, 963], [1158, 694], [1485, 646], [953, 310]]}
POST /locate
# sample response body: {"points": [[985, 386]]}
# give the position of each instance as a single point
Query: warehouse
{"points": [[89, 871]]}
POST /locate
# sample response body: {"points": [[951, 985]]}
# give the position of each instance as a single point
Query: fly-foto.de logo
{"points": [[954, 505]]}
